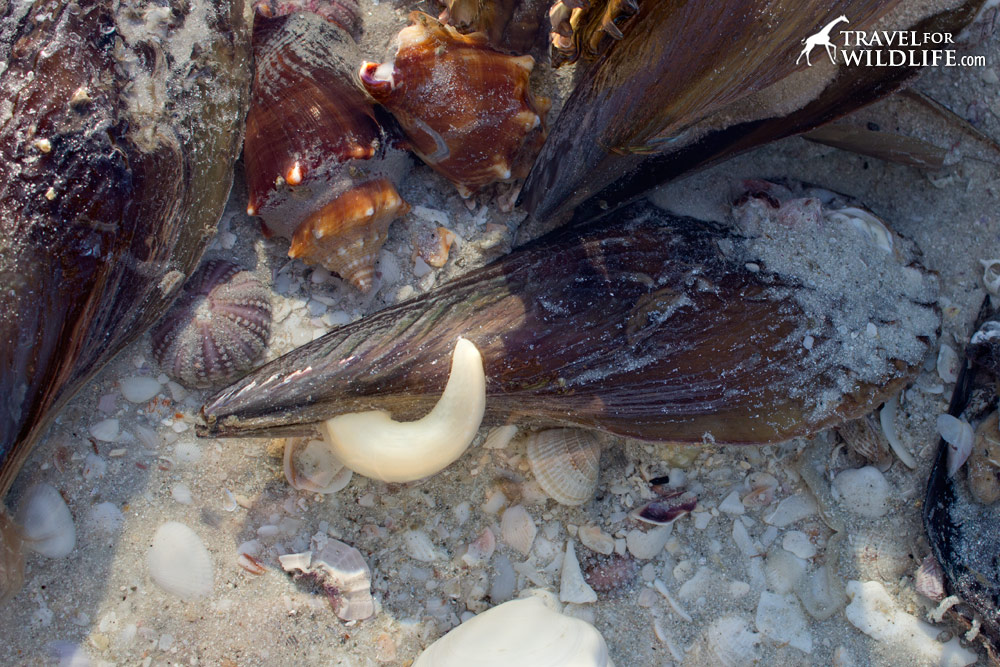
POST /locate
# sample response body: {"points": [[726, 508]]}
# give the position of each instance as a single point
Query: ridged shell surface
{"points": [[179, 563], [312, 140], [519, 632], [467, 110], [566, 463], [217, 329]]}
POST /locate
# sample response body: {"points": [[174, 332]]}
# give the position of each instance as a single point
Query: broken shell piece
{"points": [[374, 445], [664, 511], [984, 462], [991, 275], [566, 463], [419, 546], [433, 245], [572, 586], [343, 574], [311, 466], [646, 545], [959, 436], [519, 632], [179, 563], [727, 641], [517, 529], [596, 539], [46, 523], [481, 549]]}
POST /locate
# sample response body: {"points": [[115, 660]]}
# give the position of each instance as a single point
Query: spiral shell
{"points": [[217, 329], [566, 463], [467, 110], [321, 171]]}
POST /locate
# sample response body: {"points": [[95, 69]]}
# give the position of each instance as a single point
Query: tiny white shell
{"points": [[729, 641], [572, 586], [139, 389], [46, 523], [106, 430], [179, 563], [566, 463], [596, 539], [310, 465], [481, 549], [517, 529], [519, 632], [419, 546]]}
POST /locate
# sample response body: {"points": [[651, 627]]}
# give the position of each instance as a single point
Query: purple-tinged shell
{"points": [[665, 510], [611, 573], [217, 329]]}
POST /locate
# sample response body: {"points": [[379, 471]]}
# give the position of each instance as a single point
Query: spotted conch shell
{"points": [[466, 109], [321, 171]]}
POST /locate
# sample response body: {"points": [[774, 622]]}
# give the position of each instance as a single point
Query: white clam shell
{"points": [[179, 563], [517, 529], [647, 544], [46, 523], [419, 546], [310, 465], [566, 463], [139, 389], [520, 632]]}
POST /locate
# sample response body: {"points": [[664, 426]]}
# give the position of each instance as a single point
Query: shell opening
{"points": [[373, 444]]}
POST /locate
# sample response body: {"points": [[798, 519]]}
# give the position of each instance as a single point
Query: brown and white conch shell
{"points": [[321, 171], [466, 109]]}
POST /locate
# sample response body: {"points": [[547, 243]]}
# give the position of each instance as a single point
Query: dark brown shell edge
{"points": [[626, 342], [618, 136], [102, 220]]}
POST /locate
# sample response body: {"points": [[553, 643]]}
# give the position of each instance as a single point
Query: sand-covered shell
{"points": [[46, 523], [179, 563], [321, 171], [342, 572], [217, 329], [466, 109], [566, 463], [310, 466], [519, 632], [864, 437]]}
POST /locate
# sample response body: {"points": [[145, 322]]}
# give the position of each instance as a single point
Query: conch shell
{"points": [[689, 84], [466, 109], [641, 324], [321, 171], [117, 162]]}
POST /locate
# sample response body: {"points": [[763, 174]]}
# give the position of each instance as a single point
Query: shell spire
{"points": [[312, 139], [467, 110]]}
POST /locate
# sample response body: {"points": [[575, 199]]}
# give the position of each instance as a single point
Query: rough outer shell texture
{"points": [[566, 463], [217, 329], [467, 110], [320, 169], [520, 632]]}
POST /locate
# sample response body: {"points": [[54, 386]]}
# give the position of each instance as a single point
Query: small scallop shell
{"points": [[311, 466], [520, 632], [566, 463], [179, 563], [46, 523], [880, 556], [419, 546], [517, 529], [728, 642], [344, 575]]}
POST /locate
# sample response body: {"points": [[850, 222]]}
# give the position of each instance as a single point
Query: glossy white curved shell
{"points": [[566, 463], [521, 633], [179, 563]]}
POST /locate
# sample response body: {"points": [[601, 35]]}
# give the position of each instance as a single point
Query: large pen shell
{"points": [[644, 325]]}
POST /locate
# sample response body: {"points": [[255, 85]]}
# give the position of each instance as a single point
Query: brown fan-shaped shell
{"points": [[312, 136], [467, 110]]}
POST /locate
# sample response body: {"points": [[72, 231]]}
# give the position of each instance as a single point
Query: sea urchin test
{"points": [[374, 445], [781, 322]]}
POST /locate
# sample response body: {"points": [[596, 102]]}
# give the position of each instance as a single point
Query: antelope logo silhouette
{"points": [[822, 38]]}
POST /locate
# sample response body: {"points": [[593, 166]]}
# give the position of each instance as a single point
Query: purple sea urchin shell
{"points": [[217, 329]]}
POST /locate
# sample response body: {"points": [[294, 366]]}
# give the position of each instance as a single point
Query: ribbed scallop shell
{"points": [[217, 329], [467, 110], [312, 138], [566, 463], [179, 563], [864, 437]]}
